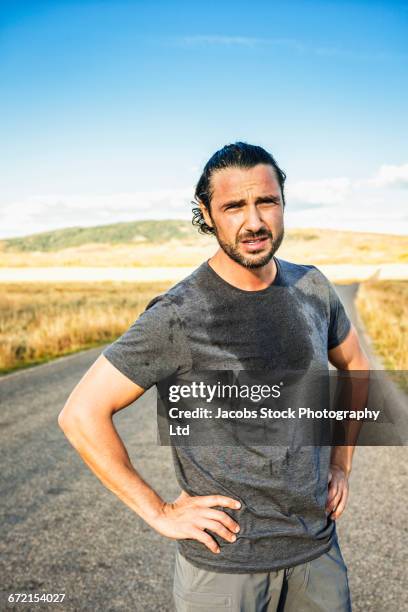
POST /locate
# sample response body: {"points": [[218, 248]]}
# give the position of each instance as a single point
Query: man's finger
{"points": [[333, 489], [219, 500], [332, 505], [336, 503], [342, 504], [206, 539], [222, 517], [219, 529]]}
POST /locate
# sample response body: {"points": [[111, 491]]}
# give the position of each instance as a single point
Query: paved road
{"points": [[63, 532]]}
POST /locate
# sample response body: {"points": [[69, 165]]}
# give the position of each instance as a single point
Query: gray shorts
{"points": [[320, 585]]}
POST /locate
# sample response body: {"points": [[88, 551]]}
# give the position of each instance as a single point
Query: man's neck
{"points": [[248, 279]]}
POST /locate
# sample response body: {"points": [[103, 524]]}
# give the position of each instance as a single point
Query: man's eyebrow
{"points": [[268, 198], [265, 198]]}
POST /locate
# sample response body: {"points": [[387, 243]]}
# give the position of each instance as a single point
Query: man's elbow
{"points": [[76, 423], [67, 418], [73, 415], [77, 415]]}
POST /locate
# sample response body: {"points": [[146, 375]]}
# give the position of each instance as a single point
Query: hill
{"points": [[115, 233], [176, 242]]}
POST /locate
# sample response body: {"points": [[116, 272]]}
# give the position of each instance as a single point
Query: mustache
{"points": [[255, 236]]}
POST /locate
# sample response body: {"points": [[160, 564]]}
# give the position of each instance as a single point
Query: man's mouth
{"points": [[253, 243]]}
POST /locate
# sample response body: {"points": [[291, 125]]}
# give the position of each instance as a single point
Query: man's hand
{"points": [[338, 491], [188, 516]]}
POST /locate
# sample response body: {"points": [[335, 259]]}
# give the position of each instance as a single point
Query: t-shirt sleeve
{"points": [[153, 347], [339, 323]]}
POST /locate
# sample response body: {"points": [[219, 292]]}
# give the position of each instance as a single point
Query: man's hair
{"points": [[236, 155]]}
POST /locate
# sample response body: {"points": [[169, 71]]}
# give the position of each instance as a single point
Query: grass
{"points": [[383, 307], [169, 254], [41, 321]]}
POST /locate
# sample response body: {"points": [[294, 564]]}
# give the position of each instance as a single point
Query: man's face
{"points": [[246, 213]]}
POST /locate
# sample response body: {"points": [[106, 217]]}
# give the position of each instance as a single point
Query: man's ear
{"points": [[205, 213]]}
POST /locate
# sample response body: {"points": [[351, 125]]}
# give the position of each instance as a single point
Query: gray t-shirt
{"points": [[205, 323]]}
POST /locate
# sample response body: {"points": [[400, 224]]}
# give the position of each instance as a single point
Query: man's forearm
{"points": [[101, 448], [97, 441], [352, 394], [342, 457]]}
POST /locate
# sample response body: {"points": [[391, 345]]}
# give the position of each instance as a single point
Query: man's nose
{"points": [[253, 221]]}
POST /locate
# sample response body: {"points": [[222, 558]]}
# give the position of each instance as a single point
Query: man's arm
{"points": [[348, 355], [86, 420]]}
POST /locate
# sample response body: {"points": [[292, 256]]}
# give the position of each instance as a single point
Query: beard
{"points": [[253, 260]]}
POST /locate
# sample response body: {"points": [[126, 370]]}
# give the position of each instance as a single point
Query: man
{"points": [[255, 526]]}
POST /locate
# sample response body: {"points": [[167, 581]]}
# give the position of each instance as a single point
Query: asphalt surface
{"points": [[62, 531]]}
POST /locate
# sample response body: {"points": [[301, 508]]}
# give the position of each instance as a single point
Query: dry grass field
{"points": [[383, 308], [40, 321], [172, 253], [309, 246]]}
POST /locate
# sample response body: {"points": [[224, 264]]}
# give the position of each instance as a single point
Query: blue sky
{"points": [[110, 109]]}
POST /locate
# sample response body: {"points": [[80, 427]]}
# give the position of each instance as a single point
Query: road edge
{"points": [[396, 395]]}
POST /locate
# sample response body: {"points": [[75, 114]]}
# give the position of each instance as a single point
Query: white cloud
{"points": [[325, 191], [366, 204], [293, 44], [355, 218], [51, 211], [389, 176], [243, 41]]}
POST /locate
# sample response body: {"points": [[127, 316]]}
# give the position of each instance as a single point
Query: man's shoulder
{"points": [[298, 270], [303, 275], [181, 292]]}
